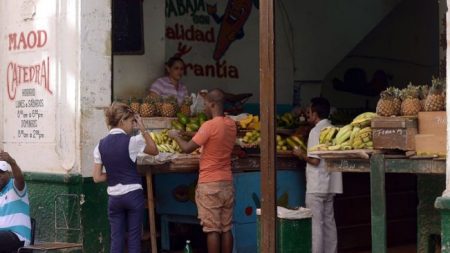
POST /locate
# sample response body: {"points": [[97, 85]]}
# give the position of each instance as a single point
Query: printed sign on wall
{"points": [[28, 78], [210, 36]]}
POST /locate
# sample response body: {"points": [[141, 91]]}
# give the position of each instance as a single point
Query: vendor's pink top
{"points": [[217, 137], [165, 88]]}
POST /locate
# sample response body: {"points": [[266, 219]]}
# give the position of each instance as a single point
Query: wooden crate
{"points": [[394, 133], [157, 122], [433, 123]]}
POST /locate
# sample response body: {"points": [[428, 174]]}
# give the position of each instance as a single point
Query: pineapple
{"points": [[169, 107], [423, 93], [389, 103], [135, 105], [411, 103], [148, 108], [186, 106], [435, 100]]}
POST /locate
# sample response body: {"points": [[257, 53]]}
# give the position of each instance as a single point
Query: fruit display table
{"points": [[379, 164], [172, 196]]}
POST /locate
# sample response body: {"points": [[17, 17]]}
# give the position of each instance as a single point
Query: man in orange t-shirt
{"points": [[215, 192]]}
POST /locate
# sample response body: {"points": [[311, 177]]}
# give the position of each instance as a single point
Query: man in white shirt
{"points": [[321, 185]]}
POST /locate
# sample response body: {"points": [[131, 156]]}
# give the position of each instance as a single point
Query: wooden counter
{"points": [[377, 166]]}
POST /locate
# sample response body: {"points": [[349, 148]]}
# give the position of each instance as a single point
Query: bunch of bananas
{"points": [[164, 143], [363, 120], [250, 122], [356, 135], [362, 138], [289, 143]]}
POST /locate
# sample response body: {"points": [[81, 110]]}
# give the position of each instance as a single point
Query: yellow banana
{"points": [[323, 134], [318, 147], [335, 147], [354, 133], [364, 119], [330, 135]]}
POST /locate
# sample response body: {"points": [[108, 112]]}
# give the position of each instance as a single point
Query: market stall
{"points": [[172, 177], [398, 139]]}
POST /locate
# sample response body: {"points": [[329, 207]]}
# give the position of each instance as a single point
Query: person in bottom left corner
{"points": [[15, 223], [118, 152]]}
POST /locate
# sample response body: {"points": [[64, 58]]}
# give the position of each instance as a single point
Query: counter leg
{"points": [[151, 211], [378, 203]]}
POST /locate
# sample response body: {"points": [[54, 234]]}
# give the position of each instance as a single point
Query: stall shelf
{"points": [[377, 165], [172, 195]]}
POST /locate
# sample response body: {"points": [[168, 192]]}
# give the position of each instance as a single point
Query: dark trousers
{"points": [[9, 242], [126, 214]]}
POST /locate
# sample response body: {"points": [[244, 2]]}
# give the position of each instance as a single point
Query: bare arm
{"points": [[186, 146], [150, 147], [19, 180], [98, 175], [302, 156]]}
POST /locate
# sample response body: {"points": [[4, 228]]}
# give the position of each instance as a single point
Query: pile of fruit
{"points": [[287, 120], [412, 99], [188, 124], [153, 106], [290, 143], [356, 135], [250, 122], [251, 138], [164, 143]]}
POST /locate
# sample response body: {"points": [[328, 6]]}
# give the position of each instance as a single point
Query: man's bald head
{"points": [[216, 96], [214, 103]]}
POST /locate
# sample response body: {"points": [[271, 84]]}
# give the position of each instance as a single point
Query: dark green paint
{"points": [[417, 166], [378, 203], [95, 219], [88, 206], [443, 204]]}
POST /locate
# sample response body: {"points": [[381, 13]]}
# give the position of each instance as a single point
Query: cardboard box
{"points": [[158, 122], [433, 123], [430, 144], [394, 133]]}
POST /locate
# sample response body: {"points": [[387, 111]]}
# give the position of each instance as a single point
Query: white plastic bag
{"points": [[197, 103], [290, 214]]}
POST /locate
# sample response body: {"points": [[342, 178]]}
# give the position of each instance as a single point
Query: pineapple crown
{"points": [[390, 93], [171, 100], [410, 92], [423, 91], [437, 86]]}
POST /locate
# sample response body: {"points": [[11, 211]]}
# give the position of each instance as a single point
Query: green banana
{"points": [[343, 134]]}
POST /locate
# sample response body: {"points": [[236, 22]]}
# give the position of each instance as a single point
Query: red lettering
{"points": [[10, 87], [22, 41], [28, 40], [17, 75], [42, 38], [31, 36], [12, 41]]}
